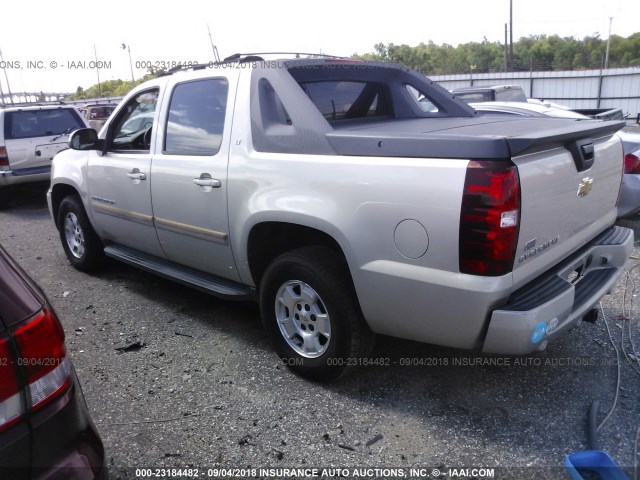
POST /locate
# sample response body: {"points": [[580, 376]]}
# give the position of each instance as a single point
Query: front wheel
{"points": [[80, 242], [309, 307]]}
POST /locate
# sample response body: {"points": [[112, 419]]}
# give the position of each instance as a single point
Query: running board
{"points": [[186, 276]]}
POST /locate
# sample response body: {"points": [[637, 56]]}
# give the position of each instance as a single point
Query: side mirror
{"points": [[84, 139]]}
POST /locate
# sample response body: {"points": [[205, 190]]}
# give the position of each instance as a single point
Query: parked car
{"points": [[30, 135], [629, 201], [45, 428], [515, 93], [528, 109], [97, 115], [350, 198], [495, 93]]}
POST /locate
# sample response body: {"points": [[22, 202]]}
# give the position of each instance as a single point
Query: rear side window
{"points": [[196, 117], [40, 123], [338, 100]]}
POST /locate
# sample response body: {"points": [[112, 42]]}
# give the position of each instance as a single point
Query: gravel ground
{"points": [[176, 378]]}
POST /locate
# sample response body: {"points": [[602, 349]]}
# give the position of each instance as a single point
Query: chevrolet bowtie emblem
{"points": [[585, 187]]}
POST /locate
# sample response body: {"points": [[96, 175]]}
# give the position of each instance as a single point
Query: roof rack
{"points": [[33, 104], [178, 68], [240, 58]]}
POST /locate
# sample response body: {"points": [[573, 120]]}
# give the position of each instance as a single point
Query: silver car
{"points": [[30, 135], [629, 202]]}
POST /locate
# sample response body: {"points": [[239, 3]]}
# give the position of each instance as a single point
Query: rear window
{"points": [[40, 123], [100, 112], [338, 100], [474, 97], [511, 95]]}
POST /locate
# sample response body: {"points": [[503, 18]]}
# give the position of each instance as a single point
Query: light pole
{"points": [[606, 57], [128, 49], [6, 77], [95, 52]]}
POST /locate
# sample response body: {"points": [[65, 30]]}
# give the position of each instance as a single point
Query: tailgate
{"points": [[569, 190], [33, 152]]}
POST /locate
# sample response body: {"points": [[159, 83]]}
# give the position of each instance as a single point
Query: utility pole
{"points": [[506, 60], [606, 58], [511, 34]]}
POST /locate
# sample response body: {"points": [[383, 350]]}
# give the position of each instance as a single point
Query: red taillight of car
{"points": [[4, 157], [43, 358], [10, 401], [489, 218], [631, 163]]}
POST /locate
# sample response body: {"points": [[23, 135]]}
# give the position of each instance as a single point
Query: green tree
{"points": [[111, 88], [539, 52]]}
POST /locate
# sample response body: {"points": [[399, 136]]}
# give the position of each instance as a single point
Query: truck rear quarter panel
{"points": [[360, 202]]}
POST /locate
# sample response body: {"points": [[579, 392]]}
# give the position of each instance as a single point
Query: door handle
{"points": [[136, 174], [207, 181]]}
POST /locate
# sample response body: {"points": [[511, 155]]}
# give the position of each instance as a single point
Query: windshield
{"points": [[137, 123]]}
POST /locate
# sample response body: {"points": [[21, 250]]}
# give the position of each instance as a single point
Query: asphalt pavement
{"points": [[175, 378]]}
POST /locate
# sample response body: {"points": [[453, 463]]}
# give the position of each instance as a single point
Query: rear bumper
{"points": [[550, 305], [24, 175]]}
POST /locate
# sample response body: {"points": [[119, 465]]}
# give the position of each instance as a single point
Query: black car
{"points": [[45, 429]]}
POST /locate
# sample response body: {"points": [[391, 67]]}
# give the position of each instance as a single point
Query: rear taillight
{"points": [[489, 218], [42, 356], [4, 157], [40, 360], [631, 163], [10, 402]]}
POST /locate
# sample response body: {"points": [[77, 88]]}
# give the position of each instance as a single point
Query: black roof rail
{"points": [[239, 57]]}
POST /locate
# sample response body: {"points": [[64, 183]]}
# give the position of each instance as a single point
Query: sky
{"points": [[49, 46]]}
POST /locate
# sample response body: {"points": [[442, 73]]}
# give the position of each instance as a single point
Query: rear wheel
{"points": [[309, 307], [80, 242]]}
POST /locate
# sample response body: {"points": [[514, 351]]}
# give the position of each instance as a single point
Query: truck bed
{"points": [[477, 138]]}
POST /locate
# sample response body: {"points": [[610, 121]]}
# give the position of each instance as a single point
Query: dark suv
{"points": [[45, 429]]}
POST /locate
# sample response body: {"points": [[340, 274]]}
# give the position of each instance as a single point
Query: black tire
{"points": [[5, 197], [320, 271], [79, 240]]}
